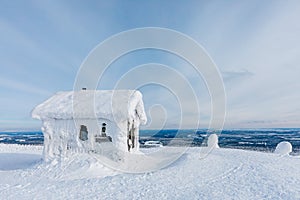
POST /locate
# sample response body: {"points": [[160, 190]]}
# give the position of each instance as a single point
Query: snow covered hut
{"points": [[91, 120]]}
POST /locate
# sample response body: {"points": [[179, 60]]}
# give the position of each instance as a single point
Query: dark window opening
{"points": [[103, 137], [130, 137], [103, 131], [83, 134]]}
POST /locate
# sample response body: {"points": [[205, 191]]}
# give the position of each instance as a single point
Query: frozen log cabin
{"points": [[91, 121]]}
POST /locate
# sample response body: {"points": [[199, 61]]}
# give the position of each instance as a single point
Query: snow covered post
{"points": [[212, 141]]}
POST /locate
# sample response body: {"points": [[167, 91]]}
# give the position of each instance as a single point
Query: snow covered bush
{"points": [[212, 141], [283, 148]]}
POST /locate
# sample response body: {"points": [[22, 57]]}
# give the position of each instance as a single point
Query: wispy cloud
{"points": [[236, 74], [22, 87], [266, 45]]}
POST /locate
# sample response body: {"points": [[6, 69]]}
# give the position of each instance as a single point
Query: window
{"points": [[103, 130], [83, 134], [130, 136]]}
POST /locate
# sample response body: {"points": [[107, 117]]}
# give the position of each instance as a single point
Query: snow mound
{"points": [[77, 166], [212, 141], [283, 148]]}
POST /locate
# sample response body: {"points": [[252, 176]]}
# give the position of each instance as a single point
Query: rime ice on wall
{"points": [[65, 113]]}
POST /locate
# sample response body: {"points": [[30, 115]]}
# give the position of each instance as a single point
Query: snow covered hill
{"points": [[223, 174]]}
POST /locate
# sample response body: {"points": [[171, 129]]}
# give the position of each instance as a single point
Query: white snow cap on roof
{"points": [[115, 105]]}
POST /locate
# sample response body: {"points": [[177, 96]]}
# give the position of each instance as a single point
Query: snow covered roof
{"points": [[115, 105]]}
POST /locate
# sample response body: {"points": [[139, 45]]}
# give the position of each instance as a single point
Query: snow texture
{"points": [[283, 148], [223, 174]]}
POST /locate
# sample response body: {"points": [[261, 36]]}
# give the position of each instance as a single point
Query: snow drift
{"points": [[283, 148], [223, 174]]}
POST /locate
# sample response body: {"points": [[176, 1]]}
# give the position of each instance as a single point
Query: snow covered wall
{"points": [[90, 120]]}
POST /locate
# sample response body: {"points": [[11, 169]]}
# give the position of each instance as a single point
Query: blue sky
{"points": [[255, 44]]}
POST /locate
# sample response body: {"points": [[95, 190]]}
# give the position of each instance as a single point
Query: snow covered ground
{"points": [[223, 174]]}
